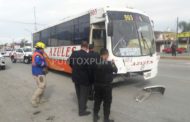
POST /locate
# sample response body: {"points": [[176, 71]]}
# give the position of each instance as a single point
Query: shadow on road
{"points": [[60, 73], [137, 82], [49, 91]]}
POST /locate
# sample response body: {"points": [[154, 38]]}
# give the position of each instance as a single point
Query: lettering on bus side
{"points": [[142, 63], [61, 51], [93, 12]]}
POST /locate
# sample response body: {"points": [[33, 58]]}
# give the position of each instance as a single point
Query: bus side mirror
{"points": [[110, 29]]}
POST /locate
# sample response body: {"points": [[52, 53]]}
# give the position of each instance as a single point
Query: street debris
{"points": [[50, 118], [36, 112], [147, 91]]}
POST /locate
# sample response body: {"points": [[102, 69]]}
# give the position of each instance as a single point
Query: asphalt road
{"points": [[17, 86]]}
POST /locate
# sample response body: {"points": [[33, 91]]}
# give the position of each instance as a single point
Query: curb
{"points": [[175, 58]]}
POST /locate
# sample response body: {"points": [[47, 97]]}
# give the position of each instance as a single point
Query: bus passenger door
{"points": [[98, 39]]}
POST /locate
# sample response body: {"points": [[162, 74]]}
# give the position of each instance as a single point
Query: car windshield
{"points": [[132, 34], [27, 50]]}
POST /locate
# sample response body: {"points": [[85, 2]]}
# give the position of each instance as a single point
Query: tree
{"points": [[23, 42], [184, 26]]}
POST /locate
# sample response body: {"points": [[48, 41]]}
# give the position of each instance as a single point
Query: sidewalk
{"points": [[184, 56]]}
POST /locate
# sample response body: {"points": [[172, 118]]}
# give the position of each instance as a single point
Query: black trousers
{"points": [[174, 53], [103, 94], [82, 96], [91, 92]]}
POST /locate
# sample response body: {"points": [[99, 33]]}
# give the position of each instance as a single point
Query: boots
{"points": [[85, 113], [34, 104], [96, 118], [108, 120]]}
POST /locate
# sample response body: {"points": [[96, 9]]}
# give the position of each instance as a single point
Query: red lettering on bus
{"points": [[50, 52], [62, 52], [93, 12], [73, 49], [55, 50], [142, 63], [58, 52], [68, 51]]}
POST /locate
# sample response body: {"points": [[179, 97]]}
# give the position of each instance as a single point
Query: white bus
{"points": [[127, 34]]}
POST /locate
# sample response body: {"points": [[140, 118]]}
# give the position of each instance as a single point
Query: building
{"points": [[164, 39], [184, 40]]}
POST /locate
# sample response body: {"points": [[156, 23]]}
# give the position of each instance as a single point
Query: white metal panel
{"points": [[97, 15]]}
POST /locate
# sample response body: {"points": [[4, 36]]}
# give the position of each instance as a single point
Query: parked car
{"points": [[22, 54], [2, 62], [7, 52], [178, 50]]}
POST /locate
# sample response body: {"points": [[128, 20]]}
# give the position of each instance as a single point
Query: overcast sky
{"points": [[16, 15]]}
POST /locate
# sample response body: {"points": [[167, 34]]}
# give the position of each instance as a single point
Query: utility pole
{"points": [[35, 26], [35, 23], [177, 29]]}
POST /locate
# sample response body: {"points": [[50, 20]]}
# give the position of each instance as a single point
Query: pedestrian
{"points": [[80, 77], [93, 56], [39, 71], [104, 70], [173, 48]]}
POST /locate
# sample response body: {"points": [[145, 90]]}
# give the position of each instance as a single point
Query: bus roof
{"points": [[127, 9]]}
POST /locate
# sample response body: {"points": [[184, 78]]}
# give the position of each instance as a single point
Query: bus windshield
{"points": [[132, 34]]}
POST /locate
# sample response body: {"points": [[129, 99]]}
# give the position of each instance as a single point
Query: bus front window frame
{"points": [[133, 20]]}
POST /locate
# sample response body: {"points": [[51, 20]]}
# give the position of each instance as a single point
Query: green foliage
{"points": [[23, 42], [185, 26]]}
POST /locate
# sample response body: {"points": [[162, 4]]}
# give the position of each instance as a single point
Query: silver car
{"points": [[2, 62]]}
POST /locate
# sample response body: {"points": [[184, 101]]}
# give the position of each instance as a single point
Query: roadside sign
{"points": [[183, 35]]}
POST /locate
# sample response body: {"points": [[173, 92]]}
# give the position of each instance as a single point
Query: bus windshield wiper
{"points": [[145, 42], [116, 45]]}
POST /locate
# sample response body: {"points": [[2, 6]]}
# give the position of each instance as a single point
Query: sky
{"points": [[17, 16]]}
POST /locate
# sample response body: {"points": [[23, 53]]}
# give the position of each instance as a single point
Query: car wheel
{"points": [[26, 60], [3, 67]]}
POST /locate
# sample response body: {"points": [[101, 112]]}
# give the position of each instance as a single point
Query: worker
{"points": [[80, 77], [104, 70], [93, 56], [39, 71]]}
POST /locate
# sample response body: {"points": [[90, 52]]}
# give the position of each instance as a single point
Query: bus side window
{"points": [[99, 39]]}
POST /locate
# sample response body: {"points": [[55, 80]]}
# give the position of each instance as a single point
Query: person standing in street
{"points": [[93, 56], [173, 48], [39, 71], [104, 70], [80, 77]]}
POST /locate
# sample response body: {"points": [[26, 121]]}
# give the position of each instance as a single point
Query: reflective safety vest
{"points": [[33, 57]]}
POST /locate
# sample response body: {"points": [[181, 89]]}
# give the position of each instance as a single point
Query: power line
{"points": [[21, 22]]}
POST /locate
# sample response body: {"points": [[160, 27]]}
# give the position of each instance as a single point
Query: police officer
{"points": [[79, 64], [103, 90], [93, 56], [39, 70]]}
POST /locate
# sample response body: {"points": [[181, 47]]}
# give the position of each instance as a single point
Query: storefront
{"points": [[184, 40], [164, 40]]}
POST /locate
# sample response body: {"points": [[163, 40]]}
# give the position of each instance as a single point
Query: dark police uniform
{"points": [[103, 89], [80, 77], [93, 56]]}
